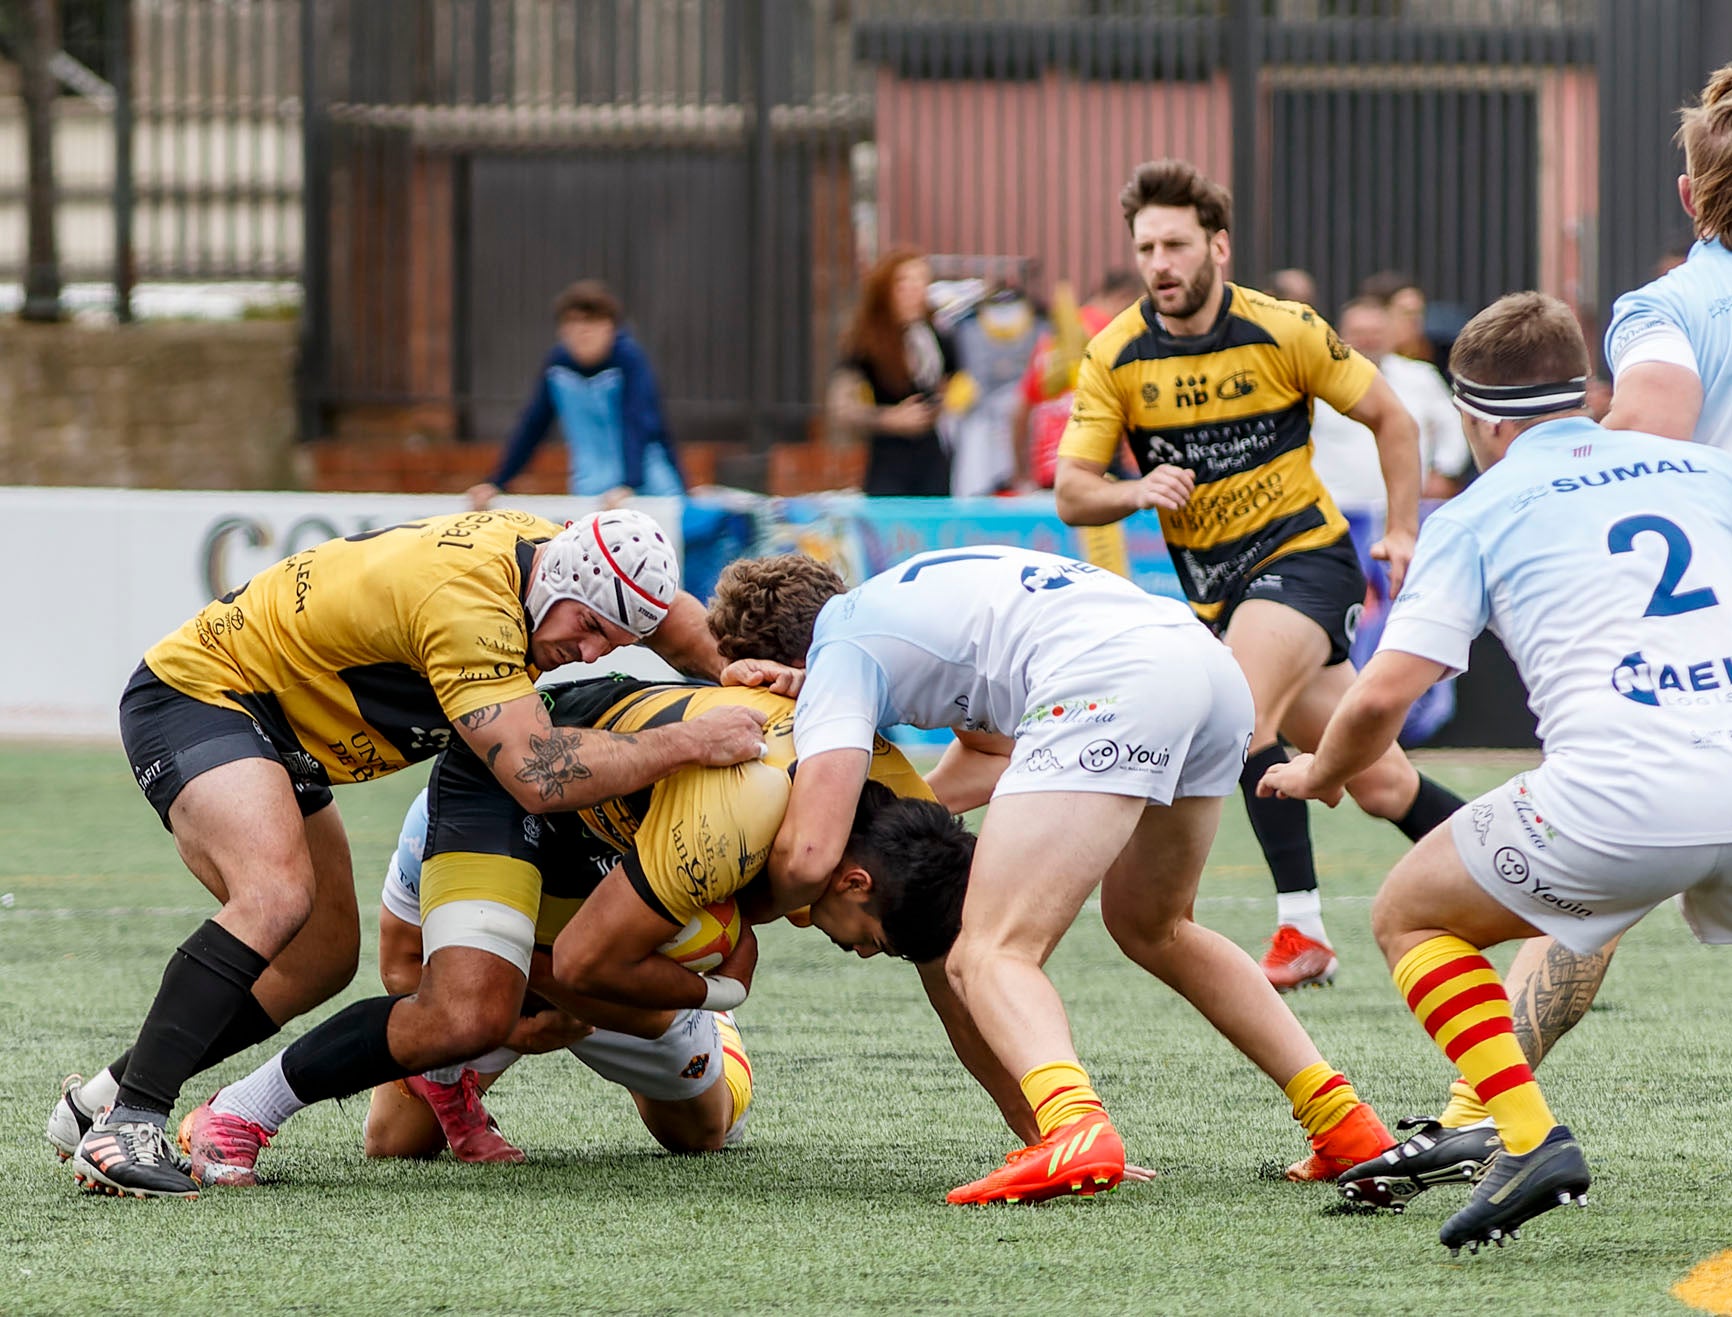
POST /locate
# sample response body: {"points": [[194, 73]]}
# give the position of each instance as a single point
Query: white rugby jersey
{"points": [[956, 638], [402, 894], [1603, 561], [1684, 318]]}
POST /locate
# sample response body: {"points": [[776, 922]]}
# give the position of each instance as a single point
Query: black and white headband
{"points": [[1518, 402]]}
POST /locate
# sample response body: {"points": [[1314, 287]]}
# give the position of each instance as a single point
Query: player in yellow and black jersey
{"points": [[1213, 385], [496, 881], [345, 662]]}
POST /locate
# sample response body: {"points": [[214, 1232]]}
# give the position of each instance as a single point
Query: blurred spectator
{"points": [[1294, 285], [892, 377], [598, 383], [1424, 330], [1346, 454], [995, 339], [1044, 406]]}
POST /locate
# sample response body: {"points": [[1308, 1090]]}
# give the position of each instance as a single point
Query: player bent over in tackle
{"points": [[1628, 806], [345, 662], [1129, 723], [692, 1085], [498, 879]]}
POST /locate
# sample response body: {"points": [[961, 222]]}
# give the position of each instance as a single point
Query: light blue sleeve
{"points": [[402, 893], [844, 701], [1442, 606], [1641, 311]]}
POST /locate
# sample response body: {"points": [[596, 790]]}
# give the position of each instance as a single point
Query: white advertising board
{"points": [[94, 577]]}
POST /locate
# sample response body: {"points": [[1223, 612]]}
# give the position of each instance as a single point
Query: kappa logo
{"points": [[1099, 756], [1041, 761], [1481, 816], [1151, 394]]}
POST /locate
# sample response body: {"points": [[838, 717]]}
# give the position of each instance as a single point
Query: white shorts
{"points": [[1158, 712], [681, 1064], [1584, 895]]}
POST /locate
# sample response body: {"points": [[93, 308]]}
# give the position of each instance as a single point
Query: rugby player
{"points": [[672, 1078], [1670, 354], [498, 878], [1129, 722], [1213, 383], [343, 663], [1627, 807]]}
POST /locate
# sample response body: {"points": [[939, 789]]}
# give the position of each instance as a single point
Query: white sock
{"points": [[445, 1074], [1303, 911], [96, 1092], [263, 1097]]}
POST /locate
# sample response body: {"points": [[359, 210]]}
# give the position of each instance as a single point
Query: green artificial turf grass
{"points": [[861, 1122]]}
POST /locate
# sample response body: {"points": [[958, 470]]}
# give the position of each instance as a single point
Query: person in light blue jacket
{"points": [[598, 383]]}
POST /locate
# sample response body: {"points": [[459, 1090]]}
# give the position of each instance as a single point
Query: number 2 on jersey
{"points": [[1621, 538]]}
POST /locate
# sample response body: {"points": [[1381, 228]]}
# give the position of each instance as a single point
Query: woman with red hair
{"points": [[892, 376]]}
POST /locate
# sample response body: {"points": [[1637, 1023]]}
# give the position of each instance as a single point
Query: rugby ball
{"points": [[705, 942]]}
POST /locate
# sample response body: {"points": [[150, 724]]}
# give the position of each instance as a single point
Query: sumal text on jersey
{"points": [[1636, 470]]}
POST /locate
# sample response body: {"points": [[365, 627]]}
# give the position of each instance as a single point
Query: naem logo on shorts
{"points": [[1350, 623], [532, 829], [1707, 681], [1511, 865], [696, 1066]]}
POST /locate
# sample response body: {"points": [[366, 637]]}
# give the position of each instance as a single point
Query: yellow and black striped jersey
{"points": [[363, 650], [1234, 406], [702, 834]]}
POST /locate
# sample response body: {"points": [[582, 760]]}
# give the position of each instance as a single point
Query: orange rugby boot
{"points": [[1084, 1158], [1296, 961], [1357, 1137]]}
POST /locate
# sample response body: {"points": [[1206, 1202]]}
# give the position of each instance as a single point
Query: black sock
{"points": [[349, 1052], [1283, 827], [1431, 806], [208, 982]]}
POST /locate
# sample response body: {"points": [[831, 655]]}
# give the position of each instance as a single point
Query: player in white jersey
{"points": [[1669, 343], [1634, 699], [1105, 726], [673, 1079], [1669, 346]]}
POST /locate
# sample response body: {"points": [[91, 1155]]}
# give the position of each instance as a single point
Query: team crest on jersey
{"points": [[1151, 394], [696, 1067]]}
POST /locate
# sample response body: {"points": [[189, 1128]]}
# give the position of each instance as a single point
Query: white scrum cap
{"points": [[618, 563]]}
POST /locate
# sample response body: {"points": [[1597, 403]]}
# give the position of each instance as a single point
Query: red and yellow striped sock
{"points": [[1321, 1098], [1458, 997], [1060, 1093], [736, 1069]]}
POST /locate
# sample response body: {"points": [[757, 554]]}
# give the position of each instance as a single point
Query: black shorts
{"points": [[171, 738], [469, 811], [1326, 585]]}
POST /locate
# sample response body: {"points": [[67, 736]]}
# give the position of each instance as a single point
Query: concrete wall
{"points": [[149, 406]]}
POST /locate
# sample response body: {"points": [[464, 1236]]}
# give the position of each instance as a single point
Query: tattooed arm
{"points": [[547, 768], [1550, 989]]}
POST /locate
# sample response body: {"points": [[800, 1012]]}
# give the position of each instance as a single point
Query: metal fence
{"points": [[728, 165]]}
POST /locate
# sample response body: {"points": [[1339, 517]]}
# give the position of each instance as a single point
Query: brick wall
{"points": [[152, 406], [437, 466]]}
